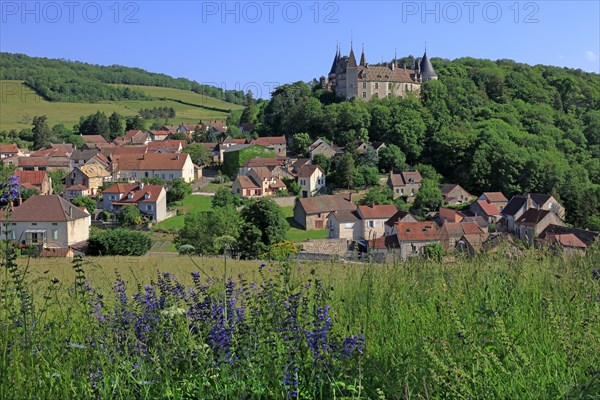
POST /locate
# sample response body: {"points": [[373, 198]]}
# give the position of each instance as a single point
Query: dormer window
{"points": [[130, 196], [146, 196]]}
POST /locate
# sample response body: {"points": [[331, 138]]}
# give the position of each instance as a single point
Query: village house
{"points": [[319, 146], [158, 135], [72, 192], [496, 198], [454, 194], [80, 157], [400, 216], [452, 232], [373, 219], [406, 183], [411, 238], [344, 224], [48, 163], [48, 222], [567, 243], [37, 180], [449, 215], [258, 182], [378, 146], [533, 221], [135, 167], [274, 143], [487, 210], [90, 175], [215, 126], [151, 200], [10, 150], [166, 146], [55, 150], [312, 212], [275, 165], [134, 136], [521, 203], [471, 244], [93, 139], [311, 179]]}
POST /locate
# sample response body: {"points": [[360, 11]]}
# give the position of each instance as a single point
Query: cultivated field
{"points": [[489, 328], [17, 100]]}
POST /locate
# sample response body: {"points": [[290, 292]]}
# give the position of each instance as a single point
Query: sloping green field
{"points": [[17, 101]]}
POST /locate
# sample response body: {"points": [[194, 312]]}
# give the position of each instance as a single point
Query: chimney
{"points": [[142, 185], [350, 197], [70, 211]]}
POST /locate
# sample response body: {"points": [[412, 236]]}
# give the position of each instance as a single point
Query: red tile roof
{"points": [[79, 188], [378, 211], [495, 197], [417, 231], [325, 204], [32, 177], [119, 188], [564, 239], [9, 148], [93, 139], [247, 183], [488, 208], [151, 161], [269, 140], [138, 195]]}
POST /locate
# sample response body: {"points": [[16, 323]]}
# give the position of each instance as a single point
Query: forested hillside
{"points": [[489, 126], [71, 81]]}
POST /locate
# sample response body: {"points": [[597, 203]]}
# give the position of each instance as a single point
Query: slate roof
{"points": [[398, 216], [514, 205], [247, 182], [325, 204], [532, 216], [173, 145], [49, 208], [84, 155]]}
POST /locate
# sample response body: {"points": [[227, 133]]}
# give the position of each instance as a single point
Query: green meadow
{"points": [[486, 328], [17, 100]]}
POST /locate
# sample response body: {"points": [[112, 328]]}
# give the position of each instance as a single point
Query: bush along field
{"points": [[486, 328]]}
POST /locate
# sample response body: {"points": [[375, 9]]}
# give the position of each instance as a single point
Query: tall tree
{"points": [[116, 125], [345, 171], [265, 216], [41, 132]]}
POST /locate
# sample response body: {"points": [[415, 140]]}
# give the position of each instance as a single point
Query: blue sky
{"points": [[259, 44]]}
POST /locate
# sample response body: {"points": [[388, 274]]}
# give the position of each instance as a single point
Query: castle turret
{"points": [[427, 71], [363, 60], [351, 59], [335, 61]]}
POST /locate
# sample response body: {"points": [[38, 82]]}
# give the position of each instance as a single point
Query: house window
{"points": [[364, 85], [376, 85], [371, 224], [364, 95], [170, 176], [13, 234], [149, 207], [54, 223], [397, 190], [402, 191], [146, 174], [34, 223], [349, 225], [55, 234]]}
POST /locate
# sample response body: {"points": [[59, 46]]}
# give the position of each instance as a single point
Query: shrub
{"points": [[118, 242]]}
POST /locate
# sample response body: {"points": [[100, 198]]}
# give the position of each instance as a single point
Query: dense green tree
{"points": [[87, 202], [345, 171], [202, 229], [250, 112], [369, 157], [134, 123], [224, 197], [265, 216], [58, 181], [300, 143], [429, 197], [42, 134], [377, 195], [180, 136], [178, 190], [391, 158], [95, 124], [116, 125], [322, 161], [130, 215], [198, 153]]}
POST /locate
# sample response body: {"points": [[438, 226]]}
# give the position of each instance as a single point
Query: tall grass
{"points": [[486, 328]]}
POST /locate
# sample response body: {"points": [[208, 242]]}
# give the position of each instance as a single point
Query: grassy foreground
{"points": [[488, 328]]}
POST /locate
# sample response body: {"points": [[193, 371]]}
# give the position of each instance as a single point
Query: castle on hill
{"points": [[350, 80]]}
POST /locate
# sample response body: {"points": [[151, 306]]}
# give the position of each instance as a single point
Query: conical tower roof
{"points": [[335, 61], [363, 60], [351, 59], [427, 70]]}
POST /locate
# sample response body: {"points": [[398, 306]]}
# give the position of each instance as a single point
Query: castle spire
{"points": [[351, 57], [426, 68], [335, 61], [363, 61]]}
